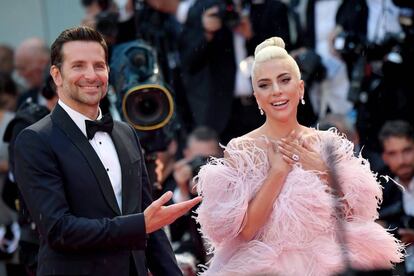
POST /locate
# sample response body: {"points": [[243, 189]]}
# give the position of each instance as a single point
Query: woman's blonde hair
{"points": [[273, 48]]}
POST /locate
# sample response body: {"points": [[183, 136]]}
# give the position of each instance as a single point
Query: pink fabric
{"points": [[300, 236]]}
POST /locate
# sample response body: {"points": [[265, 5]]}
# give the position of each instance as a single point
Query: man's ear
{"points": [[56, 75]]}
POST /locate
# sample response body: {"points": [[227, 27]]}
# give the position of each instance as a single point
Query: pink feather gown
{"points": [[300, 236]]}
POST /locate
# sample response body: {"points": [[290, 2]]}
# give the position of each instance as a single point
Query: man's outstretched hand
{"points": [[157, 215]]}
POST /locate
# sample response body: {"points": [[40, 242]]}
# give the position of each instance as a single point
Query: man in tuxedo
{"points": [[85, 181], [397, 208]]}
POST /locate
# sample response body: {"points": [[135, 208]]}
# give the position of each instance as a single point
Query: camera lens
{"points": [[147, 106], [138, 60]]}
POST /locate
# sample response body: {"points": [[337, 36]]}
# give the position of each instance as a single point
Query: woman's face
{"points": [[277, 89]]}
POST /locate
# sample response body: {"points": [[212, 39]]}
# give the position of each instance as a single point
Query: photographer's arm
{"points": [[165, 6], [197, 38], [211, 22]]}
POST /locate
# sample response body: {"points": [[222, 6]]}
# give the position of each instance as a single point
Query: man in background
{"points": [[397, 208], [202, 143], [31, 60]]}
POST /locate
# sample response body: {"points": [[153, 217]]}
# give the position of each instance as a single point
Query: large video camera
{"points": [[144, 99]]}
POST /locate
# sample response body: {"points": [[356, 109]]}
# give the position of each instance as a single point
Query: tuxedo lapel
{"points": [[127, 158], [65, 123]]}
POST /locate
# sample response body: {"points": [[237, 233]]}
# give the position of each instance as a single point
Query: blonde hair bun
{"points": [[273, 48], [273, 41]]}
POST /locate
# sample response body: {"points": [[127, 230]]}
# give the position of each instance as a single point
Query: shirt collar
{"points": [[77, 118]]}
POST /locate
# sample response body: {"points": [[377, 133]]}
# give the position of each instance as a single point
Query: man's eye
{"points": [[392, 154], [100, 66], [408, 150]]}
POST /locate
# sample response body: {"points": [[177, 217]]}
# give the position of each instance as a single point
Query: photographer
{"points": [[202, 143], [376, 51], [397, 209], [114, 19], [217, 37], [324, 74], [361, 22]]}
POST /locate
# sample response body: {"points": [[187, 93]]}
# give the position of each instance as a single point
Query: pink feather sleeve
{"points": [[227, 185]]}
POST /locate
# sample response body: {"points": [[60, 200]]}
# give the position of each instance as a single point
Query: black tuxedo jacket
{"points": [[391, 210], [71, 199]]}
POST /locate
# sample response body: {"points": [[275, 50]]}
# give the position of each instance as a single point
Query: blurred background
{"points": [[21, 19], [180, 75]]}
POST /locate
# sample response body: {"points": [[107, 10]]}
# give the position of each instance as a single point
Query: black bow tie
{"points": [[105, 124]]}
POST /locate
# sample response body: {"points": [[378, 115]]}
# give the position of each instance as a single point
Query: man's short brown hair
{"points": [[80, 33]]}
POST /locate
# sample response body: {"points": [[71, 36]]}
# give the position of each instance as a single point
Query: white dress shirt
{"points": [[105, 149]]}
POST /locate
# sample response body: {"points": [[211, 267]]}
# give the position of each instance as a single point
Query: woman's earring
{"points": [[302, 101], [261, 111]]}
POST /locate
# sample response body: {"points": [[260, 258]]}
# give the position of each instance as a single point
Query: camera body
{"points": [[311, 66], [230, 13], [196, 163], [349, 45]]}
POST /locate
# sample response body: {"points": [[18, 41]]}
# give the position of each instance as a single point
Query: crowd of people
{"points": [[348, 69]]}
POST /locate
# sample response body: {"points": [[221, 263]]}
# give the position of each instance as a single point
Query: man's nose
{"points": [[399, 158], [90, 73], [407, 158]]}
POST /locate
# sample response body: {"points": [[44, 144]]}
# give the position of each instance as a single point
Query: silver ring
{"points": [[295, 157]]}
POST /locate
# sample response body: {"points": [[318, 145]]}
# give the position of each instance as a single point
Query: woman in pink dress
{"points": [[269, 205]]}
